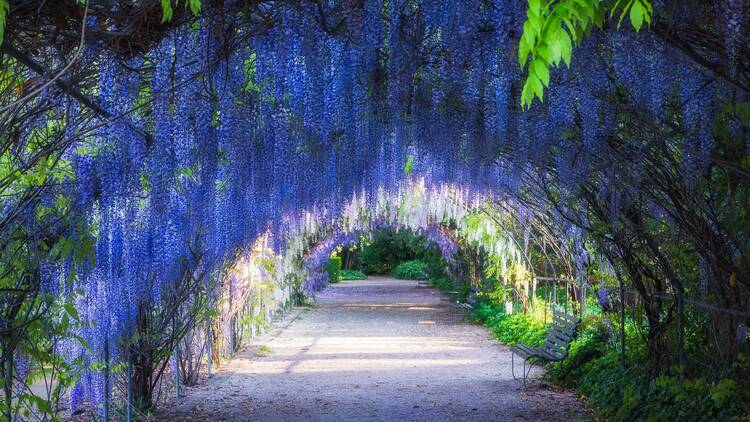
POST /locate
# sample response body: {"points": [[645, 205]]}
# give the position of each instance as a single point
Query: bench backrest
{"points": [[560, 334]]}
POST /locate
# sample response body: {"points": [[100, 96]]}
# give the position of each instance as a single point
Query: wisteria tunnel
{"points": [[374, 210]]}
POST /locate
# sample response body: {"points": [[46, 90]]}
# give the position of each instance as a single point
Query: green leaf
{"points": [[529, 33], [92, 256], [537, 86], [64, 323], [614, 8], [215, 119], [166, 10], [587, 10], [551, 26], [648, 11], [527, 94], [4, 8], [555, 51], [523, 52], [409, 166], [535, 5], [195, 6], [543, 52], [636, 15], [145, 184], [72, 311], [541, 70], [72, 275], [572, 11], [67, 247], [569, 25], [536, 23], [624, 11], [566, 47], [41, 404]]}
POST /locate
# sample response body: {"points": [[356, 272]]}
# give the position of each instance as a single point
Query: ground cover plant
{"points": [[594, 370], [411, 270], [353, 275]]}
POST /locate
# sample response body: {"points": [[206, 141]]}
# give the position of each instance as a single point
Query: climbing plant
{"points": [[146, 145]]}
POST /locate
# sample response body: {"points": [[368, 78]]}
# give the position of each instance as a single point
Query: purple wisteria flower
{"points": [[741, 334], [603, 298]]}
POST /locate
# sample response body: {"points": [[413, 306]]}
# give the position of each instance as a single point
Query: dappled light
{"points": [[362, 356]]}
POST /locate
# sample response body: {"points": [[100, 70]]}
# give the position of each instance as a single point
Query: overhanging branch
{"points": [[66, 86]]}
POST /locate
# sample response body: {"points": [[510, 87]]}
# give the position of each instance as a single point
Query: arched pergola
{"points": [[148, 148]]}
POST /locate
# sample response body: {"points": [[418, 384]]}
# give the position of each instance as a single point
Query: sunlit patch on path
{"points": [[377, 349]]}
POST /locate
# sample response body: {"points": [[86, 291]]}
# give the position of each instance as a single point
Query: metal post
{"points": [[530, 294], [177, 369], [622, 320], [546, 264], [546, 305], [210, 351], [129, 405], [232, 335], [582, 296], [554, 293], [680, 329]]}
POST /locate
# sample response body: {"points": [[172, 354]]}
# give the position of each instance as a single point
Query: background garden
{"points": [[521, 313], [174, 173]]}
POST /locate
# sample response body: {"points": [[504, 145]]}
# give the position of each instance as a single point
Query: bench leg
{"points": [[526, 373]]}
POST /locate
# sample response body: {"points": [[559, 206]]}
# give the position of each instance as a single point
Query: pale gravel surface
{"points": [[377, 349]]}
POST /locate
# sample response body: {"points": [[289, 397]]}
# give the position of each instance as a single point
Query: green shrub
{"points": [[509, 329], [411, 270], [436, 266], [442, 283], [628, 393], [352, 275], [387, 248], [371, 259], [518, 329], [333, 268]]}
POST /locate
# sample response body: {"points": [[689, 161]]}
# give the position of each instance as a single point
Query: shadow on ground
{"points": [[377, 349]]}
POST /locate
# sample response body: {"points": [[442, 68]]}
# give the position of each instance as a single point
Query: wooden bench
{"points": [[556, 345], [462, 305]]}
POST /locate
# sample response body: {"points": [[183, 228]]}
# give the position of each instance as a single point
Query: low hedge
{"points": [[333, 268], [352, 275], [631, 393], [412, 270]]}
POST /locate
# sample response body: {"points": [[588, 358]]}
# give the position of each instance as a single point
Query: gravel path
{"points": [[377, 349]]}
